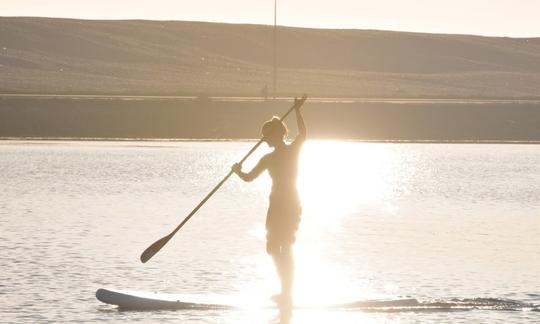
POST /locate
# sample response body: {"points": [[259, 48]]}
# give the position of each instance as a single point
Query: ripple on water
{"points": [[419, 220]]}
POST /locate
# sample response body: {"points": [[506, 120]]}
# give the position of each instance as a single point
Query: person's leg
{"points": [[287, 271], [279, 264], [279, 246], [274, 250], [284, 262]]}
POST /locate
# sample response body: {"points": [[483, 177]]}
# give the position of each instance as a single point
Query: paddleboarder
{"points": [[284, 210]]}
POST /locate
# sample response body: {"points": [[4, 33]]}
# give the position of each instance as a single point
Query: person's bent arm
{"points": [[251, 175]]}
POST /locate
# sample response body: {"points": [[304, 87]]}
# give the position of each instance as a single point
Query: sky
{"points": [[513, 18]]}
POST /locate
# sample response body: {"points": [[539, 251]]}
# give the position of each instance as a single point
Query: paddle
{"points": [[154, 248]]}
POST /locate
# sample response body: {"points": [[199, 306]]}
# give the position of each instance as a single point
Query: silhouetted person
{"points": [[264, 92], [284, 210]]}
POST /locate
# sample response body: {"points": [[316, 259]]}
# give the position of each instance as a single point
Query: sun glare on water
{"points": [[336, 179], [337, 176]]}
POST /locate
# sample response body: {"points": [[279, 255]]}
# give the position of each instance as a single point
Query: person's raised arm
{"points": [[300, 123], [251, 175]]}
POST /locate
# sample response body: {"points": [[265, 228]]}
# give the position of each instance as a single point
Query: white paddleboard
{"points": [[137, 300]]}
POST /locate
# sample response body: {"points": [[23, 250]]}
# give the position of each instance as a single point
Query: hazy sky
{"points": [[484, 17]]}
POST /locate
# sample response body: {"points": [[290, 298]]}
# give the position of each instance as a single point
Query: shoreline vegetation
{"points": [[287, 99], [420, 120]]}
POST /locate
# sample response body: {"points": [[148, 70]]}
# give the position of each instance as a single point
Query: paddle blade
{"points": [[154, 248]]}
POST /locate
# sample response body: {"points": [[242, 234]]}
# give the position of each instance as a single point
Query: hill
{"points": [[49, 55]]}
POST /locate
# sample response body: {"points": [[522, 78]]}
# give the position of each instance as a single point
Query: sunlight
{"points": [[335, 177]]}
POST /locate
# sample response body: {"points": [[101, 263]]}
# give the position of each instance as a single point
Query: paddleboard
{"points": [[137, 300], [148, 301]]}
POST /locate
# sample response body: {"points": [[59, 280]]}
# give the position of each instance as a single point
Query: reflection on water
{"points": [[388, 221], [337, 177], [381, 206]]}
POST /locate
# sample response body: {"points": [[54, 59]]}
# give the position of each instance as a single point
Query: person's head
{"points": [[274, 131]]}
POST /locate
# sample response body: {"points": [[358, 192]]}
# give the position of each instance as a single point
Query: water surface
{"points": [[381, 221]]}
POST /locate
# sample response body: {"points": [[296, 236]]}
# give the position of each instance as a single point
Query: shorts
{"points": [[282, 223]]}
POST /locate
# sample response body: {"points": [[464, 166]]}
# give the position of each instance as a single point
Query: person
{"points": [[264, 92], [284, 210]]}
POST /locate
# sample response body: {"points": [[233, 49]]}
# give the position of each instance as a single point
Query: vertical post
{"points": [[275, 48]]}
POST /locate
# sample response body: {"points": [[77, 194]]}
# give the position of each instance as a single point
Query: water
{"points": [[433, 222]]}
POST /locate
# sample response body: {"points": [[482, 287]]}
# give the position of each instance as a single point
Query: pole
{"points": [[275, 48]]}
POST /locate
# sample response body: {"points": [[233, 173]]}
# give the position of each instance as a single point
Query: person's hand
{"points": [[236, 168], [298, 102]]}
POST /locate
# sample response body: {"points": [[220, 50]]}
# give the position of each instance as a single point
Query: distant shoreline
{"points": [[284, 99], [149, 119], [172, 140]]}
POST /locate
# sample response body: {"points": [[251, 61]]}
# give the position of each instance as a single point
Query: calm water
{"points": [[381, 221]]}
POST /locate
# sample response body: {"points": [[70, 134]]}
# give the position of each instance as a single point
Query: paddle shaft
{"points": [[154, 248]]}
